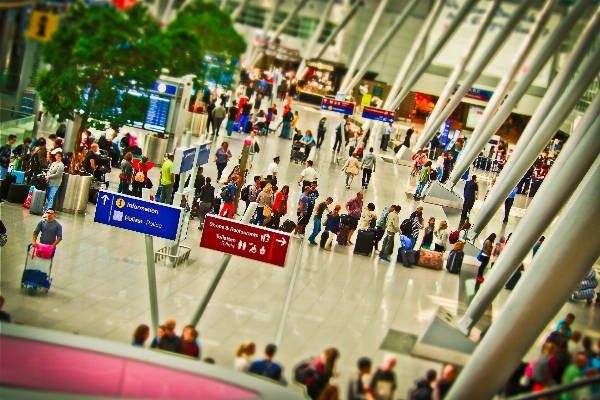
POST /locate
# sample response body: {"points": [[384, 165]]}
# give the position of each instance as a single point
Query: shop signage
{"points": [[366, 100], [135, 214], [248, 241], [477, 94], [342, 107], [378, 114], [279, 52], [184, 160]]}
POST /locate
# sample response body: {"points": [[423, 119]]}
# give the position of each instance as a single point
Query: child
{"points": [[191, 347]]}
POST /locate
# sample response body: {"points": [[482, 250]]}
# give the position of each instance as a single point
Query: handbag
{"points": [[479, 256], [42, 250], [326, 220]]}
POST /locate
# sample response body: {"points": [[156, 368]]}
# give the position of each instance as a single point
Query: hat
{"points": [[276, 158]]}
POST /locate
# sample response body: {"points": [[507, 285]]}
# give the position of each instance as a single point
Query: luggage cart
{"points": [[36, 275]]}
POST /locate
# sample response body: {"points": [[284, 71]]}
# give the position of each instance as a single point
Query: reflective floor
{"points": [[362, 306]]}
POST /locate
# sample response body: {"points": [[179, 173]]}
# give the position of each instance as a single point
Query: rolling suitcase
{"points": [[6, 184], [454, 262], [430, 259], [324, 237], [93, 195], [364, 242], [37, 202], [408, 258], [288, 226], [342, 236], [18, 193]]}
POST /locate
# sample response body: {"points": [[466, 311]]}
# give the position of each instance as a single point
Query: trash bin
{"points": [[198, 123], [72, 197], [155, 149]]}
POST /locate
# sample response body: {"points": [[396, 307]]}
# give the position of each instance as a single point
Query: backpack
{"points": [[433, 175], [453, 238], [226, 194], [305, 372], [406, 227], [245, 193]]}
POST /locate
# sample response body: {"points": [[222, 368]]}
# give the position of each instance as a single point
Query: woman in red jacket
{"points": [[280, 203]]}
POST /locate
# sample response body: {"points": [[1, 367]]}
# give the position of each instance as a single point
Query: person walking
{"points": [[210, 120], [5, 154], [423, 179], [332, 227], [354, 207], [50, 229], [167, 178], [222, 157], [218, 115], [471, 193], [341, 130], [447, 167], [286, 130], [322, 128], [385, 137], [228, 196], [508, 203], [352, 168], [231, 116], [54, 177], [369, 164], [441, 237], [280, 203], [392, 226], [380, 226], [321, 209], [126, 173], [207, 199], [358, 386], [484, 258]]}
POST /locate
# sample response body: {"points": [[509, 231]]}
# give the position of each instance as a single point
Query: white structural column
{"points": [[223, 4], [236, 13], [383, 42], [554, 274], [349, 15], [316, 35], [458, 70], [482, 135], [366, 36], [551, 112], [266, 27], [478, 68], [576, 157]]}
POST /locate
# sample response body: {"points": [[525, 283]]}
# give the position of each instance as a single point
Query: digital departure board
{"points": [[158, 111]]}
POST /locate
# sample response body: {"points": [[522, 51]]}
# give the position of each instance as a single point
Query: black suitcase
{"points": [[365, 240], [6, 184], [324, 237], [40, 183], [93, 195], [455, 260], [408, 258], [342, 236], [288, 226], [17, 193]]}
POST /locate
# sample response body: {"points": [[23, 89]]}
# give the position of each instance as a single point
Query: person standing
{"points": [[286, 130], [441, 237], [440, 165], [428, 231], [206, 198], [380, 226], [245, 115], [5, 154], [321, 208], [471, 193], [302, 212], [231, 116], [253, 192], [308, 175], [222, 156], [170, 341], [392, 226], [50, 229], [508, 203], [383, 383], [280, 203], [230, 189], [358, 386], [272, 170], [166, 179], [21, 154], [537, 245], [341, 130], [267, 367], [434, 146], [423, 179], [444, 383], [126, 173], [352, 168], [423, 389], [354, 207], [385, 138], [321, 132], [265, 205], [210, 120], [54, 178], [447, 167], [332, 227], [218, 115], [417, 224], [484, 258], [369, 164], [409, 133]]}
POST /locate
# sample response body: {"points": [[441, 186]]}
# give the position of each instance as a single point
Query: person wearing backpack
{"points": [[380, 226], [423, 389], [383, 383], [228, 195], [321, 132], [250, 193], [423, 179], [316, 373], [358, 386]]}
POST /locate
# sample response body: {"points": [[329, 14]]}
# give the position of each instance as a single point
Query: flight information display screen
{"points": [[158, 111]]}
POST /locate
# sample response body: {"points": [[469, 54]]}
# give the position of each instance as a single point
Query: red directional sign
{"points": [[249, 241]]}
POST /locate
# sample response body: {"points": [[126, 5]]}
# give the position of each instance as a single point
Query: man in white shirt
{"points": [[308, 175], [385, 138], [273, 169]]}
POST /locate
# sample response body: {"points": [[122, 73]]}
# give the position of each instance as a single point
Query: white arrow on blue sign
{"points": [[135, 214]]}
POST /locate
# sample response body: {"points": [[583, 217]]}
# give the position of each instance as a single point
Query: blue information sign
{"points": [[203, 154], [184, 160], [135, 214]]}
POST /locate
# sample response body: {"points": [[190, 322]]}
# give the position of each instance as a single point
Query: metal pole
{"points": [[482, 62], [236, 13], [461, 16], [577, 156], [380, 46], [316, 35], [366, 36], [521, 161], [152, 283], [456, 74], [351, 13], [555, 272], [220, 271], [566, 73], [484, 130]]}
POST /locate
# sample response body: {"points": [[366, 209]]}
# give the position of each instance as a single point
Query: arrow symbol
{"points": [[282, 241], [105, 197]]}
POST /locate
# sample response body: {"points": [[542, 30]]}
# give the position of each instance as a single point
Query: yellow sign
{"points": [[42, 25], [120, 203], [366, 100]]}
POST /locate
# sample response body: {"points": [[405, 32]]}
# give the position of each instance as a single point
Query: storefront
{"points": [[323, 79]]}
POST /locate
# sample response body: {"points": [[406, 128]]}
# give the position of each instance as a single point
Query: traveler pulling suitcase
{"points": [[17, 193], [430, 259], [364, 242], [37, 202], [288, 226], [342, 236], [455, 260]]}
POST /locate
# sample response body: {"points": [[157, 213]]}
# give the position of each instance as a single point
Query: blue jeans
{"points": [[316, 229], [286, 130], [260, 217], [420, 188], [242, 122], [439, 174], [50, 196], [413, 240], [123, 186], [229, 127]]}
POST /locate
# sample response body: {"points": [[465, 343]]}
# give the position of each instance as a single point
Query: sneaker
{"points": [[312, 242], [384, 259], [480, 279]]}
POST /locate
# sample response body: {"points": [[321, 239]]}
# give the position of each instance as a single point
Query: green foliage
{"points": [[105, 52], [186, 54]]}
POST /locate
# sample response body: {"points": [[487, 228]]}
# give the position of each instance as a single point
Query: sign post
{"points": [[337, 106], [378, 114]]}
